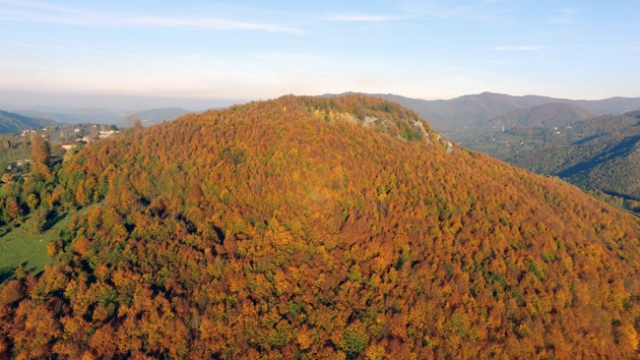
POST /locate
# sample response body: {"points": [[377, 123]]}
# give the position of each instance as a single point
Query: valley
{"points": [[553, 137]]}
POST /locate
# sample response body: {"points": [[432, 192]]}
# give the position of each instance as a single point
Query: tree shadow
{"points": [[9, 272], [620, 195], [52, 219], [589, 138], [621, 149], [5, 230], [6, 273]]}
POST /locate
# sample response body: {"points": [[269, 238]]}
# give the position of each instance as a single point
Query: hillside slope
{"points": [[546, 115], [10, 122], [315, 228]]}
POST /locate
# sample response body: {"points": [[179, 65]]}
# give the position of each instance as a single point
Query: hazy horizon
{"points": [[17, 101], [113, 102]]}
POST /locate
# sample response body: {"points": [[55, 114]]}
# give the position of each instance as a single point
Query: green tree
{"points": [[356, 339], [6, 142]]}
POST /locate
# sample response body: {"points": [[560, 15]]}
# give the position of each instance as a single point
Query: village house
{"points": [[107, 133]]}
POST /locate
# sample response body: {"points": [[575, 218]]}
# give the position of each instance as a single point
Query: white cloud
{"points": [[519, 48], [282, 56], [203, 23], [486, 11], [565, 16], [364, 18], [45, 13], [39, 6], [85, 51], [535, 48]]}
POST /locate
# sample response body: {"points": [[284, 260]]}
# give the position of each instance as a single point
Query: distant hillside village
{"points": [[76, 132], [63, 140]]}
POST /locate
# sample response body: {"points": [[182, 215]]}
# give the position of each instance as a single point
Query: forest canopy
{"points": [[310, 228]]}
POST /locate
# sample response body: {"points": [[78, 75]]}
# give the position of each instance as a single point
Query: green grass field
{"points": [[20, 247]]}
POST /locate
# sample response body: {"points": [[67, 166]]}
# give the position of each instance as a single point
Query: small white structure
{"points": [[107, 133], [86, 139]]}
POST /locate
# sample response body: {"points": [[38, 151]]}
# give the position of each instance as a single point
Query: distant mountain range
{"points": [[12, 122], [157, 116], [546, 115], [76, 116], [102, 116], [460, 119], [468, 116]]}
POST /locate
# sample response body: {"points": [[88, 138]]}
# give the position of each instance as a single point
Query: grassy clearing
{"points": [[20, 247]]}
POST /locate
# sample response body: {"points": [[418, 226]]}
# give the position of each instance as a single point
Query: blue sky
{"points": [[263, 49]]}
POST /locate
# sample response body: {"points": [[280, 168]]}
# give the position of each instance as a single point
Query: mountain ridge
{"points": [[547, 115], [12, 122], [463, 117]]}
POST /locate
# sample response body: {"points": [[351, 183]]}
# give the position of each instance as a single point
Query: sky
{"points": [[210, 52]]}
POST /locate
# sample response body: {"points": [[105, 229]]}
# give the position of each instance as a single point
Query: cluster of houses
{"points": [[29, 132], [102, 134], [79, 135]]}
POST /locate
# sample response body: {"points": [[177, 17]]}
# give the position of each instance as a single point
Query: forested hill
{"points": [[10, 122], [310, 228], [546, 115]]}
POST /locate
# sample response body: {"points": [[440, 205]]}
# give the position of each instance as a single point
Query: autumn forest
{"points": [[313, 228]]}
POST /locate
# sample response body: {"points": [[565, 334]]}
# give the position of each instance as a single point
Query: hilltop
{"points": [[305, 227]]}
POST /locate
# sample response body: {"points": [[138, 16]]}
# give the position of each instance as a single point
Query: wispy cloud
{"points": [[470, 73], [364, 17], [629, 48], [17, 66], [487, 11], [45, 13], [565, 16], [205, 23], [39, 6], [282, 56], [519, 48], [86, 51], [534, 48]]}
